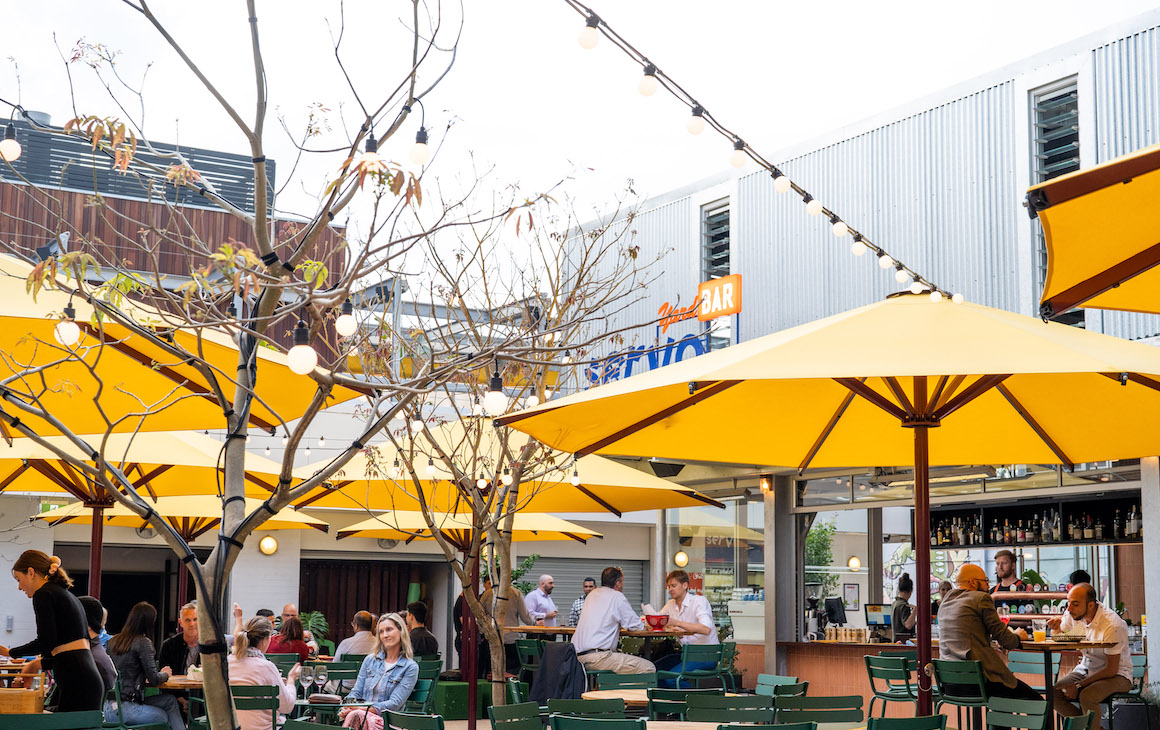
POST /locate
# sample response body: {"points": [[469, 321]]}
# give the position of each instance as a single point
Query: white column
{"points": [[1150, 514], [17, 623], [656, 584]]}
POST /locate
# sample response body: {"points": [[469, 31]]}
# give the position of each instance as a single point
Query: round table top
{"points": [[181, 681], [1049, 646], [633, 697], [569, 630]]}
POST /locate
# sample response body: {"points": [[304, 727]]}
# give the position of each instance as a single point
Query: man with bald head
{"points": [[1101, 672], [540, 605], [967, 622], [291, 611]]}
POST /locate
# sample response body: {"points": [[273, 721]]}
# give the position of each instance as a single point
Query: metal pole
{"points": [[395, 318], [922, 562], [96, 545]]}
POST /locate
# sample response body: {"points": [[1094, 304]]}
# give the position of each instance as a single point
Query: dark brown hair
{"points": [[140, 622], [678, 575], [292, 629], [50, 568]]}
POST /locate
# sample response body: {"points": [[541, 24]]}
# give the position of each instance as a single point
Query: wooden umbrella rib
{"points": [[900, 394], [326, 489], [1105, 280], [825, 434], [1039, 430], [57, 479], [945, 394], [13, 476], [153, 474], [201, 530], [599, 501], [971, 392], [694, 494], [260, 482], [577, 538], [865, 391], [700, 395]]}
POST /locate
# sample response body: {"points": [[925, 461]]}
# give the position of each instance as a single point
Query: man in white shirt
{"points": [[1101, 672], [362, 642], [606, 611], [540, 605], [690, 612]]}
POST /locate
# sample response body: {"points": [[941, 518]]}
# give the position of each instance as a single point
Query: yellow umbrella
{"points": [[1103, 235], [133, 375], [457, 529], [994, 387], [190, 516], [372, 481]]}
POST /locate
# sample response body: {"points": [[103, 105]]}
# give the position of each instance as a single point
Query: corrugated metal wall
{"points": [[1127, 99]]}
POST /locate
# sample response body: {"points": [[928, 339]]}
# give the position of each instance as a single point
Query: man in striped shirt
{"points": [[574, 614]]}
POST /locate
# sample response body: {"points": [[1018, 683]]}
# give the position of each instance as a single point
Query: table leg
{"points": [[1048, 692]]}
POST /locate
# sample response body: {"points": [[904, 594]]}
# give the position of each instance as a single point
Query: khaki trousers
{"points": [[614, 661], [1090, 696]]}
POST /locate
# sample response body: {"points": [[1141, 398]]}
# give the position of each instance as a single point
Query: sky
{"points": [[523, 100]]}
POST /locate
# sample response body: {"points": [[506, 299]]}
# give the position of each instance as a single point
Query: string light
{"points": [[308, 451], [346, 325], [900, 274], [481, 482], [495, 402], [532, 401], [957, 298], [567, 359], [575, 476], [430, 466], [506, 478], [370, 159], [589, 37], [321, 441], [917, 287], [285, 440], [67, 332], [302, 357], [417, 426], [267, 451], [936, 295], [420, 152], [10, 147]]}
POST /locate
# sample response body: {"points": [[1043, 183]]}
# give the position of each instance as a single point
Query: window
{"points": [[715, 263], [1055, 141]]}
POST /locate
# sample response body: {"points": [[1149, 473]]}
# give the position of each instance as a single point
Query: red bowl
{"points": [[656, 622]]}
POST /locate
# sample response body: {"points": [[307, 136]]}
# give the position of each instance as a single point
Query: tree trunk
{"points": [[498, 695], [216, 686]]}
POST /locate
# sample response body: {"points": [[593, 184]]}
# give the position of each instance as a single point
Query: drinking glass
{"points": [[320, 676], [306, 678], [1039, 629], [1004, 613]]}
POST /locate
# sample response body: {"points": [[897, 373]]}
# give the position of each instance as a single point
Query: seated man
{"points": [[1101, 672], [180, 651], [606, 611], [690, 612], [423, 642]]}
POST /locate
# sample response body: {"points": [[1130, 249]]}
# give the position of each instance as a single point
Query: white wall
{"points": [[267, 581], [16, 536]]}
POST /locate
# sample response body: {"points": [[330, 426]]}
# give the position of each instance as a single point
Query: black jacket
{"points": [[560, 676]]}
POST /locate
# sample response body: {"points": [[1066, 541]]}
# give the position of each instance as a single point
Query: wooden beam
{"points": [[1039, 430], [821, 439], [865, 391], [971, 392], [1105, 280]]}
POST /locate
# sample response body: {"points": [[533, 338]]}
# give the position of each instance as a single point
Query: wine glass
{"points": [[306, 678], [320, 675], [1004, 613]]}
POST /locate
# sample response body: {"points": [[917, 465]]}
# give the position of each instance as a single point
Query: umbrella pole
{"points": [[922, 562], [96, 540]]}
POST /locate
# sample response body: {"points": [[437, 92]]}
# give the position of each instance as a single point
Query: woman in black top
{"points": [[132, 653], [62, 632]]}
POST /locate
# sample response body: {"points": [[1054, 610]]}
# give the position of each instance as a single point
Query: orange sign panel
{"points": [[719, 297]]}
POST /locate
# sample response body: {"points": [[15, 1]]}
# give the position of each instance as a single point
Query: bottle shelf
{"points": [[1005, 596], [1021, 545]]}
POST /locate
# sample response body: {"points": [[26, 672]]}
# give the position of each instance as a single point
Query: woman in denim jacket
{"points": [[386, 678]]}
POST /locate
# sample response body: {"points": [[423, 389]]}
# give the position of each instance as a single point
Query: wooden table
{"points": [[631, 697], [1047, 648], [569, 630], [180, 681], [325, 713]]}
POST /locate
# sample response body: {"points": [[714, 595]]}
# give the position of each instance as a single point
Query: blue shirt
{"points": [[386, 688]]}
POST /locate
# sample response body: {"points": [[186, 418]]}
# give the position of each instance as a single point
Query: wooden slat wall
{"points": [[341, 588]]}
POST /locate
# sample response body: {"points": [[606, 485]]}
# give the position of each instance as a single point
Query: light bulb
{"points": [[10, 148], [420, 152], [648, 84], [858, 248], [322, 441], [575, 478], [430, 467], [67, 332], [936, 295], [506, 479], [370, 159], [302, 358], [495, 402], [285, 440], [900, 275], [588, 38], [267, 451], [531, 401], [957, 298], [398, 470], [782, 184], [737, 158], [917, 287], [477, 408], [401, 416], [814, 207], [840, 229], [417, 426], [696, 123], [308, 451], [481, 483], [884, 261], [567, 359], [346, 325]]}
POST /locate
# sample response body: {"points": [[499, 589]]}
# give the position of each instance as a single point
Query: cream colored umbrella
{"points": [[408, 526]]}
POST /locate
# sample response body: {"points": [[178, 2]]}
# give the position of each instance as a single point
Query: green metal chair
{"points": [[741, 708], [435, 657], [351, 658], [725, 668], [1030, 662], [412, 721], [702, 653], [889, 681], [1139, 669], [522, 716], [284, 662], [304, 725], [1080, 722], [839, 708], [422, 699], [114, 696], [674, 701], [325, 646], [968, 674], [775, 726], [246, 697], [567, 722], [927, 722], [628, 681], [611, 709], [1016, 714], [791, 690], [529, 651], [338, 674], [767, 682], [87, 720]]}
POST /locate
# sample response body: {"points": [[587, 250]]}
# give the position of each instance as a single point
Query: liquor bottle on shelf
{"points": [[1045, 529], [1022, 538], [1131, 530], [1099, 530], [1056, 529], [1089, 531], [1006, 532], [1117, 533]]}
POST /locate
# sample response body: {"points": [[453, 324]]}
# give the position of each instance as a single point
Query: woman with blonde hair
{"points": [[387, 677], [62, 632], [248, 665]]}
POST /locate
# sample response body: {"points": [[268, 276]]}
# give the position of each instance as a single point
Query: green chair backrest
{"points": [[612, 708], [569, 722], [673, 701], [774, 726], [840, 708], [412, 721], [353, 658], [1030, 662], [774, 679], [926, 722], [1139, 669], [430, 669], [522, 716], [304, 725], [742, 708], [771, 684], [436, 657], [114, 696], [1025, 714], [728, 655], [887, 673], [529, 652], [87, 720], [284, 662], [1080, 722], [791, 690], [515, 691], [628, 681], [422, 699], [325, 646], [702, 653], [969, 673]]}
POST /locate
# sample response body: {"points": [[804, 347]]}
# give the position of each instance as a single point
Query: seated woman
{"points": [[386, 678], [248, 665], [132, 654], [290, 640]]}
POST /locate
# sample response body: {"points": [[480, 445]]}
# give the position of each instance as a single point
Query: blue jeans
{"points": [[158, 708], [672, 663]]}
